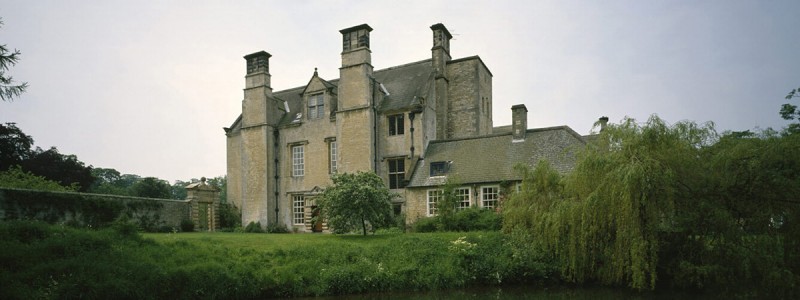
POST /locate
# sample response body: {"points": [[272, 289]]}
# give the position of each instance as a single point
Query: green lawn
{"points": [[273, 242], [46, 261]]}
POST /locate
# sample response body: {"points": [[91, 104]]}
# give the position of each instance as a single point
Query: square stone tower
{"points": [[355, 117]]}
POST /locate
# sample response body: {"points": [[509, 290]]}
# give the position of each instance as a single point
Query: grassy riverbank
{"points": [[44, 261]]}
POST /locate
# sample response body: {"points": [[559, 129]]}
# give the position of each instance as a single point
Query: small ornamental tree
{"points": [[356, 200]]}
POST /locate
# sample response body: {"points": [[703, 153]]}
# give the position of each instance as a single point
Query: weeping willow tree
{"points": [[602, 222]]}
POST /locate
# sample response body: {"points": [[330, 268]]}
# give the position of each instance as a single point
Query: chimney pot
{"points": [[258, 62], [355, 37]]}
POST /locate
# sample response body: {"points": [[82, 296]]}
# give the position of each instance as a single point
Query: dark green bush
{"points": [[229, 217], [254, 227], [124, 227], [187, 225], [470, 219], [429, 224], [476, 219], [277, 228]]}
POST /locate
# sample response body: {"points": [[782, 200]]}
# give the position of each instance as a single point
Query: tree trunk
{"points": [[364, 225]]}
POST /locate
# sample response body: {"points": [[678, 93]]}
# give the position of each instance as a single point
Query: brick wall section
{"points": [[89, 209]]}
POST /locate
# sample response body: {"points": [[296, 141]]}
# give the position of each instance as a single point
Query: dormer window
{"points": [[439, 168], [316, 106]]}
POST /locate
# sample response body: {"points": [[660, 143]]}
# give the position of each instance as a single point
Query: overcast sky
{"points": [[145, 87]]}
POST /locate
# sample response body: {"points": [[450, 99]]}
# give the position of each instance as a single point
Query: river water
{"points": [[522, 292]]}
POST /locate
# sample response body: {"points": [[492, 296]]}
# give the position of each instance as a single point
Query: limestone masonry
{"points": [[414, 125]]}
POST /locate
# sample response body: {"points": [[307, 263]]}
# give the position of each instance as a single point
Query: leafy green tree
{"points": [[178, 189], [221, 182], [790, 112], [107, 182], [151, 187], [17, 178], [15, 146], [65, 169], [675, 204], [447, 205], [8, 58], [356, 201]]}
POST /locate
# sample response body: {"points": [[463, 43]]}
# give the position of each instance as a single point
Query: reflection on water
{"points": [[519, 292]]}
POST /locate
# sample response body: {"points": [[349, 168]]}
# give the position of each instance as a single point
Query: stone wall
{"points": [[469, 98], [314, 136], [417, 198], [92, 210]]}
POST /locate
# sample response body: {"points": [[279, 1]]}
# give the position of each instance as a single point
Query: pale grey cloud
{"points": [[145, 87]]}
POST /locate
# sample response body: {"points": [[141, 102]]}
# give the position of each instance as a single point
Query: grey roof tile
{"points": [[404, 83], [492, 158]]}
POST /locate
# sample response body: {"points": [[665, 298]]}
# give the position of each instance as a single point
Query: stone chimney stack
{"points": [[257, 70], [519, 122], [441, 48], [355, 113], [603, 123], [257, 89], [440, 56], [356, 70]]}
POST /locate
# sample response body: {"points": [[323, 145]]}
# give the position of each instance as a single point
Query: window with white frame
{"points": [[316, 106], [463, 197], [298, 165], [490, 196], [434, 196], [333, 156], [298, 209]]}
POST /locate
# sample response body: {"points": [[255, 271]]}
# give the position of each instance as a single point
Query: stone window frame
{"points": [[396, 124], [399, 176], [298, 209], [333, 155], [463, 203], [316, 106], [495, 196], [433, 196], [297, 158]]}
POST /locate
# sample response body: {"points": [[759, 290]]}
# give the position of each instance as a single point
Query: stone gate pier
{"points": [[204, 205]]}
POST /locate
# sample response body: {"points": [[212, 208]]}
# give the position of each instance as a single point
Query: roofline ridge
{"points": [[337, 79], [466, 58], [403, 65], [563, 127], [471, 137]]}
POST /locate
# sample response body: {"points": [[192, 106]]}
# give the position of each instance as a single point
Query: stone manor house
{"points": [[414, 125]]}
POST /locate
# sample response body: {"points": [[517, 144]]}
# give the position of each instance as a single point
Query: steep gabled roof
{"points": [[492, 158], [403, 82]]}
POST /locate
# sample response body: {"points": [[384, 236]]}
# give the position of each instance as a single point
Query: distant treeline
{"points": [[23, 166]]}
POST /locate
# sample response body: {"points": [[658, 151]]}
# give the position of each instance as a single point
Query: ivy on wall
{"points": [[85, 210]]}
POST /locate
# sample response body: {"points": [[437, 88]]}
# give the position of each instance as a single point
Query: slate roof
{"points": [[405, 84], [492, 158]]}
